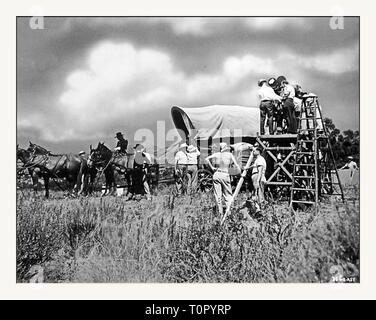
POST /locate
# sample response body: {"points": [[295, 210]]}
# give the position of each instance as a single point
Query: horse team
{"points": [[81, 172]]}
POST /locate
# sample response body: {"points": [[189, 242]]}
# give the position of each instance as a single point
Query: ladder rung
{"points": [[302, 201], [278, 183], [305, 152], [331, 194], [309, 118], [304, 177], [304, 164], [304, 140], [303, 189], [308, 129]]}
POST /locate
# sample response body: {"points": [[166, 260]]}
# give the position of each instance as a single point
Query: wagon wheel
{"points": [[204, 180], [162, 187]]}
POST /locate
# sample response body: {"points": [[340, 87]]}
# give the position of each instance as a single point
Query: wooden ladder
{"points": [[314, 164]]}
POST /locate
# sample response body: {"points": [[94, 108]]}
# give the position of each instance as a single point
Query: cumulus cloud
{"points": [[206, 27], [339, 61], [121, 81], [83, 78]]}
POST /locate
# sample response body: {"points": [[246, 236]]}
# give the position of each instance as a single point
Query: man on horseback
{"points": [[122, 144]]}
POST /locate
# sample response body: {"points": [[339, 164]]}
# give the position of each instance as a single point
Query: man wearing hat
{"points": [[141, 163], [122, 144], [258, 175], [192, 155], [267, 98], [351, 164], [82, 177], [222, 161], [181, 163]]}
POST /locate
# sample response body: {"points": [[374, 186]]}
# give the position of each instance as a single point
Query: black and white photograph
{"points": [[183, 149]]}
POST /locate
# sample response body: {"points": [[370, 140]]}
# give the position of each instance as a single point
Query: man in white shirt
{"points": [[267, 97], [351, 164], [181, 163], [192, 154], [258, 175], [288, 94]]}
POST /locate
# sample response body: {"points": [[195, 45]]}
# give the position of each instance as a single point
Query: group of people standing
{"points": [[186, 164], [221, 162], [280, 103]]}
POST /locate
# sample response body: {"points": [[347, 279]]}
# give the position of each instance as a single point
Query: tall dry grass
{"points": [[180, 240]]}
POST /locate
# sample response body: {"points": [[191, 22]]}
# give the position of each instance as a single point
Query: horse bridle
{"points": [[99, 163], [42, 162], [30, 164]]}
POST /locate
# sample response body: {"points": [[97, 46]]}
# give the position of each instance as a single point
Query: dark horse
{"points": [[41, 163], [107, 161]]}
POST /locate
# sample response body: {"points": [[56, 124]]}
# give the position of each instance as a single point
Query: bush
{"points": [[180, 240]]}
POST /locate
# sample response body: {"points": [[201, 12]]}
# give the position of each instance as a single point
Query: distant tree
{"points": [[329, 124], [344, 144]]}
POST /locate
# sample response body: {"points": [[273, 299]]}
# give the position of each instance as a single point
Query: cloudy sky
{"points": [[80, 80]]}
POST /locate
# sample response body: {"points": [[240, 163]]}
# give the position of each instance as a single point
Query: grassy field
{"points": [[173, 239]]}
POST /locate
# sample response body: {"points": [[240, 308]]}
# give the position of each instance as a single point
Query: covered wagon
{"points": [[238, 126], [205, 127]]}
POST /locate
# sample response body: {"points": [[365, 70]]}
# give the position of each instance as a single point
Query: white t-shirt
{"points": [[297, 104], [192, 157], [266, 93], [148, 157], [288, 91], [181, 158], [352, 165], [259, 162]]}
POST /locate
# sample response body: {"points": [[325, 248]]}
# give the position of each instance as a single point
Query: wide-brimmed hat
{"points": [[260, 82], [118, 134], [191, 148], [183, 145], [350, 157], [223, 146], [81, 152]]}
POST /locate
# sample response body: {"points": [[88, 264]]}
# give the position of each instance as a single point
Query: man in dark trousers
{"points": [[267, 98], [288, 94], [141, 164], [278, 109], [122, 144]]}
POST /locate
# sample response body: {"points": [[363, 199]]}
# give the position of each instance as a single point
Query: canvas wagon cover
{"points": [[217, 121]]}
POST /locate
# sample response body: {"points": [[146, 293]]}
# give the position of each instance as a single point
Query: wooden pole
{"points": [[238, 187]]}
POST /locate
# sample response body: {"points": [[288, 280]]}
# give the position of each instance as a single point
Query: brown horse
{"points": [[41, 163], [107, 161]]}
